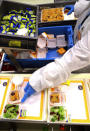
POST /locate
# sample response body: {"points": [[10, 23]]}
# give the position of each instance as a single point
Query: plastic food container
{"points": [[51, 53], [51, 43], [61, 42]]}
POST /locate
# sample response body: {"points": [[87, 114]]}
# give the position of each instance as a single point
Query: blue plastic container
{"points": [[51, 54]]}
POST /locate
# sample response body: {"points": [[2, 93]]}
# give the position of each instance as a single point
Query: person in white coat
{"points": [[75, 58]]}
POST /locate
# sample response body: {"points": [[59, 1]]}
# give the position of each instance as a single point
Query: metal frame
{"points": [[42, 122], [13, 60], [18, 67]]}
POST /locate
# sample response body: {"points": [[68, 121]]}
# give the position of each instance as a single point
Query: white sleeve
{"points": [[58, 71]]}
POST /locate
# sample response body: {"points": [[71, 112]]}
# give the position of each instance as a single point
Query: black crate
{"points": [[17, 41], [58, 4]]}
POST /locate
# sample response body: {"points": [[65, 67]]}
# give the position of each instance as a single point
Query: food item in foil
{"points": [[19, 23], [41, 43]]}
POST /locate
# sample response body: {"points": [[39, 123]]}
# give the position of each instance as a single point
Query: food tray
{"points": [[66, 21]]}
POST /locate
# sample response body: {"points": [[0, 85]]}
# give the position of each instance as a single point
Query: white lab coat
{"points": [[75, 58]]}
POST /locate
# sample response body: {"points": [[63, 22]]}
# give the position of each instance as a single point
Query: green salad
{"points": [[57, 113], [11, 111]]}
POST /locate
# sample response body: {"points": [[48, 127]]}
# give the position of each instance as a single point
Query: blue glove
{"points": [[28, 92], [70, 7]]}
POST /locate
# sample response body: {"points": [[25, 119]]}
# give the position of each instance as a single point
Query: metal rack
{"points": [[8, 50], [13, 60], [13, 125]]}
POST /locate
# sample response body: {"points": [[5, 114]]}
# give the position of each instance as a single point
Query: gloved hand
{"points": [[70, 7], [28, 92]]}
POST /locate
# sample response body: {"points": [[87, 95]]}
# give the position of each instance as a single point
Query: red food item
{"points": [[66, 11], [5, 111], [62, 128]]}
